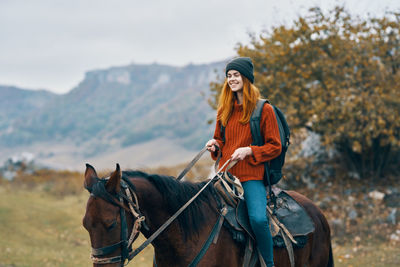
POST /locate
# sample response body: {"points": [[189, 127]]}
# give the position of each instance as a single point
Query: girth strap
{"points": [[248, 252], [206, 245]]}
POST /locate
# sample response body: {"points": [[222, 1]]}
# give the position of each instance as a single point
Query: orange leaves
{"points": [[341, 68], [357, 147]]}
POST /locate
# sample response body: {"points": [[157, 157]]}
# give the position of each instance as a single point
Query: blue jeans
{"points": [[256, 201]]}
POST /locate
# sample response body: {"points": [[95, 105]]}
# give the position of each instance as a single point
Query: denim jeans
{"points": [[256, 201]]}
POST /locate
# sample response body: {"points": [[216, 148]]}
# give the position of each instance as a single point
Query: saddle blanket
{"points": [[287, 211]]}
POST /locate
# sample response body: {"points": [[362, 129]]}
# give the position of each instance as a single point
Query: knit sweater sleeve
{"points": [[270, 131], [218, 137]]}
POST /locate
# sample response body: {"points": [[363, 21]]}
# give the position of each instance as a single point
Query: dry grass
{"points": [[38, 229], [41, 229], [377, 254]]}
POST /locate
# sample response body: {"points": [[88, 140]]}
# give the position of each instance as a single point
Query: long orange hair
{"points": [[227, 98]]}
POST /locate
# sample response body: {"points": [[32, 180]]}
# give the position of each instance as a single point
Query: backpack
{"points": [[273, 168]]}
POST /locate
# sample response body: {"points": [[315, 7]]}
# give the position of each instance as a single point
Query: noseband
{"points": [[99, 190]]}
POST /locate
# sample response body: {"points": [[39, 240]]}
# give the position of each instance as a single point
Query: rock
{"points": [[395, 237], [354, 175], [376, 195], [338, 227], [392, 200], [352, 214], [348, 191], [308, 181], [311, 146], [392, 218]]}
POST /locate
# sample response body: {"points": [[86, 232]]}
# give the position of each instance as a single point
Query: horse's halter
{"points": [[98, 190]]}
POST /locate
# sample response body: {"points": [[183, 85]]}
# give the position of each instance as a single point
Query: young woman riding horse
{"points": [[237, 101], [112, 219]]}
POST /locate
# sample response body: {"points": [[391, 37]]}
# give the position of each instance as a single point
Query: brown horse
{"points": [[109, 219]]}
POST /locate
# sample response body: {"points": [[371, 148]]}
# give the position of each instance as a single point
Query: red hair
{"points": [[226, 100]]}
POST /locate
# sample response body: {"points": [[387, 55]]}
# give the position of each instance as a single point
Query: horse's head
{"points": [[111, 213]]}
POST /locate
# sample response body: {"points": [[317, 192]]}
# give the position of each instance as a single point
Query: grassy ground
{"points": [[377, 255], [42, 226], [41, 229]]}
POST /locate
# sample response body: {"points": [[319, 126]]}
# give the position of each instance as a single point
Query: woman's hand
{"points": [[212, 145], [241, 153]]}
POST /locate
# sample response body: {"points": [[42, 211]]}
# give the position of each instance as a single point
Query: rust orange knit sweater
{"points": [[239, 135]]}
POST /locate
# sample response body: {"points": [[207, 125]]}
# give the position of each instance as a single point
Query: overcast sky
{"points": [[50, 44]]}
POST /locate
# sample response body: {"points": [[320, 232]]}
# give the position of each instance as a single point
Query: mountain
{"points": [[15, 103], [113, 109]]}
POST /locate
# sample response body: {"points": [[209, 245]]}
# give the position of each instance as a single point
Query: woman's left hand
{"points": [[241, 153]]}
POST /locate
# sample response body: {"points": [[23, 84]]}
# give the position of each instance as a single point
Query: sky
{"points": [[50, 44]]}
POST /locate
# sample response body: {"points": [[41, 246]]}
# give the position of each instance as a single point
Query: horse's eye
{"points": [[111, 226]]}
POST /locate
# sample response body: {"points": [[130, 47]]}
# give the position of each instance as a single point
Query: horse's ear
{"points": [[113, 184], [90, 176]]}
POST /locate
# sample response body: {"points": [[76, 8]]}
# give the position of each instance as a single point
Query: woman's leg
{"points": [[256, 201]]}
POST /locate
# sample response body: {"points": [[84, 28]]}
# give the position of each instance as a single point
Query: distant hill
{"points": [[114, 108], [16, 103]]}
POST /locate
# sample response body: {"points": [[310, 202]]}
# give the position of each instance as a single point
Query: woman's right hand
{"points": [[212, 145]]}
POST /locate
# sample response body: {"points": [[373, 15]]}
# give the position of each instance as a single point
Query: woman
{"points": [[237, 101]]}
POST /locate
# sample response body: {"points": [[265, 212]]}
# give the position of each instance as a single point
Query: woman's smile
{"points": [[235, 80]]}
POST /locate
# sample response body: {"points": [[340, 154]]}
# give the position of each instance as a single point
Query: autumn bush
{"points": [[338, 76]]}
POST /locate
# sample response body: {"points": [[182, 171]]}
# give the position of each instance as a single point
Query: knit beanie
{"points": [[244, 65]]}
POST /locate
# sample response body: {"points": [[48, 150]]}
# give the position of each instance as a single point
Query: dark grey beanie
{"points": [[244, 65]]}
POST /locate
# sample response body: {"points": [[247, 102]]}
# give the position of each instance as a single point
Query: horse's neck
{"points": [[150, 204], [171, 241]]}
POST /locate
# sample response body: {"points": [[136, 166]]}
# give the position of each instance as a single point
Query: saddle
{"points": [[286, 218], [289, 222]]}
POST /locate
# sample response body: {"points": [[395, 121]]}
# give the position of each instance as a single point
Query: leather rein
{"points": [[98, 190]]}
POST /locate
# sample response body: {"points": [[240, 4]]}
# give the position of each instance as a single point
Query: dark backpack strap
{"points": [[258, 140], [255, 119], [284, 130], [284, 133], [223, 133]]}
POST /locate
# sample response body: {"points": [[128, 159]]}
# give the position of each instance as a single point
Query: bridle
{"points": [[98, 190]]}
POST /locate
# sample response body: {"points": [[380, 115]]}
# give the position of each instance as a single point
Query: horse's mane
{"points": [[176, 193]]}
